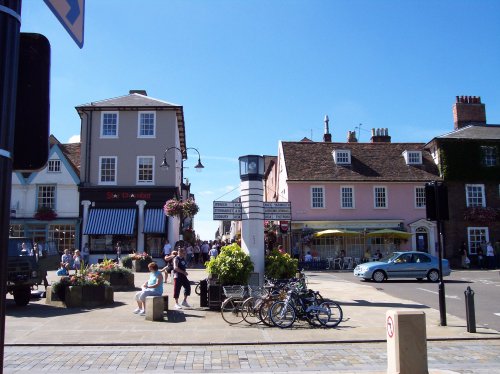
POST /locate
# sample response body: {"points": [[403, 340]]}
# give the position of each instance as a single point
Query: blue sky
{"points": [[250, 73]]}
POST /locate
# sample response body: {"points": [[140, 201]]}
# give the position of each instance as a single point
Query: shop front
{"points": [[355, 239], [130, 217]]}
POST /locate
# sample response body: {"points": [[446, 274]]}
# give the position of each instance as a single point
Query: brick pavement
{"points": [[477, 356]]}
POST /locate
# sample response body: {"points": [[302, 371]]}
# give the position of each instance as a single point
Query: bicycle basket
{"points": [[234, 291], [256, 291]]}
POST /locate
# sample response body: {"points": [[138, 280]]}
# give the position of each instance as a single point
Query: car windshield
{"points": [[389, 258], [20, 247]]}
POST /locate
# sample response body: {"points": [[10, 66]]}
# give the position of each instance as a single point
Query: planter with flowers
{"points": [[86, 290], [45, 213], [119, 277], [140, 262]]}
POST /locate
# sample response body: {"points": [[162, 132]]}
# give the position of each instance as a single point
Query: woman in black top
{"points": [[180, 279]]}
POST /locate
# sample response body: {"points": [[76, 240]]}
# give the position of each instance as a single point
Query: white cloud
{"points": [[205, 193], [74, 139]]}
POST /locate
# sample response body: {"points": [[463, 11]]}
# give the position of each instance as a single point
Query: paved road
{"points": [[484, 283], [443, 357]]}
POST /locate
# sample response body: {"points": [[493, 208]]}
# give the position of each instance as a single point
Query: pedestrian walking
{"points": [[490, 256], [77, 261], [463, 256], [196, 253], [205, 248], [169, 267], [118, 251], [167, 248], [85, 253], [189, 254], [213, 253], [181, 279]]}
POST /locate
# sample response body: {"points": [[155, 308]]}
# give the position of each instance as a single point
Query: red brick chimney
{"points": [[468, 110], [351, 137], [380, 136]]}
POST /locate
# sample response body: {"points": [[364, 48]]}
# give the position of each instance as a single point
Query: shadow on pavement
{"points": [[382, 304], [44, 310]]}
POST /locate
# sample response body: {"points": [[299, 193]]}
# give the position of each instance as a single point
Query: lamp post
{"points": [[199, 166], [252, 208]]}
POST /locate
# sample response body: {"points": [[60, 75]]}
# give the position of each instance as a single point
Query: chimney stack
{"points": [[468, 110], [327, 137], [140, 92], [351, 137], [380, 136]]}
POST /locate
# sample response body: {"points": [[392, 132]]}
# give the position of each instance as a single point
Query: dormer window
{"points": [[413, 157], [342, 156]]}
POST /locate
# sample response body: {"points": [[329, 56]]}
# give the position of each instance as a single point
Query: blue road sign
{"points": [[71, 14]]}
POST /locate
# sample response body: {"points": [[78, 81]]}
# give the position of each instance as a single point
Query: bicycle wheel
{"points": [[330, 314], [264, 311], [231, 310], [250, 310], [197, 290], [282, 314]]}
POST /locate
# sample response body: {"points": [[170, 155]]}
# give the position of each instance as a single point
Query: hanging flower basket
{"points": [[173, 208], [190, 208]]}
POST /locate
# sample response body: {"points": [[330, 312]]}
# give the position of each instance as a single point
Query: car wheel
{"points": [[433, 275], [379, 276]]}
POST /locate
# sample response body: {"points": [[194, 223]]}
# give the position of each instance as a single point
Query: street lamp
{"points": [[164, 164]]}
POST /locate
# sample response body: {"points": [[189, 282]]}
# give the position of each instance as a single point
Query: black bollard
{"points": [[469, 310]]}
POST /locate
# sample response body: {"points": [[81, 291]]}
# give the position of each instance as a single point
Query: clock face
{"points": [[252, 166]]}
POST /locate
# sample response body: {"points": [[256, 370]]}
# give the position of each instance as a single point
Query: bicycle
{"points": [[231, 309], [305, 305]]}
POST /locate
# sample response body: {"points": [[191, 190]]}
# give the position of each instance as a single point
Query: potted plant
{"points": [[45, 213], [81, 290], [140, 261], [231, 267], [173, 208], [119, 277], [280, 266]]}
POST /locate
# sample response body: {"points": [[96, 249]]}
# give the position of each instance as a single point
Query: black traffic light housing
{"points": [[31, 136], [436, 201]]}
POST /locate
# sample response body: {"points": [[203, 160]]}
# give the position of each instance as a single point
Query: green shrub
{"points": [[281, 266], [127, 262], [231, 266]]}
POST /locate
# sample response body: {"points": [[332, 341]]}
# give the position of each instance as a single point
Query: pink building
{"points": [[356, 189]]}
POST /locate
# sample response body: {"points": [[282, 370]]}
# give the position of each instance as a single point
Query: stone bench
{"points": [[155, 306]]}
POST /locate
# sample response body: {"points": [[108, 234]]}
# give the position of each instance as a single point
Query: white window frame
{"points": [[51, 166], [375, 197], [139, 182], [106, 183], [342, 198], [339, 155], [416, 189], [473, 250], [117, 125], [467, 197], [53, 187], [408, 157], [139, 135], [323, 197]]}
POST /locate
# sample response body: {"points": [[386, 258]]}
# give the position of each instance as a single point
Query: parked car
{"points": [[411, 264]]}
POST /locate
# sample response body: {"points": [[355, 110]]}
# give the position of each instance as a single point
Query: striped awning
{"points": [[110, 222], [154, 221]]}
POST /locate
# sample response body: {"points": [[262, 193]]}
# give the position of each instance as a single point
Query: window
{"points": [[413, 157], [317, 197], [419, 197], [489, 156], [46, 196], [477, 236], [147, 124], [63, 236], [107, 170], [109, 125], [145, 169], [380, 197], [342, 157], [54, 166], [475, 195], [346, 197]]}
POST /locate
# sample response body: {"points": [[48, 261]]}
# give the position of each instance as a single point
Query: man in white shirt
{"points": [[167, 248]]}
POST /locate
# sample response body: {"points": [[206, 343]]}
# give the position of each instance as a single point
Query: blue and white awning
{"points": [[110, 222], [154, 221]]}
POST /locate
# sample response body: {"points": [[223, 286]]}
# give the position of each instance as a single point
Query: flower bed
{"points": [[83, 290], [119, 277]]}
